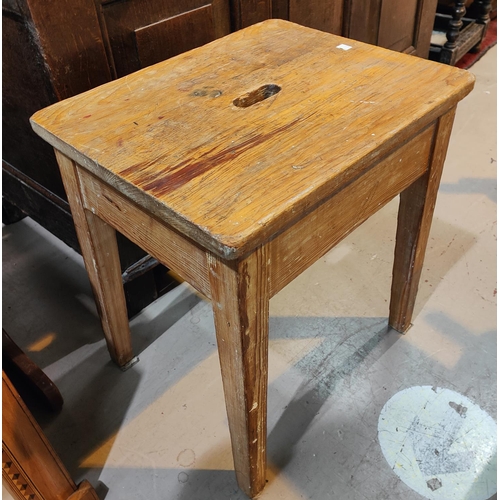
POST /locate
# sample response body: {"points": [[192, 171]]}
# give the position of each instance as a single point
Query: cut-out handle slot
{"points": [[257, 95]]}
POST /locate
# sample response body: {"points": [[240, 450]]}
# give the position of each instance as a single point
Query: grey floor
{"points": [[159, 430]]}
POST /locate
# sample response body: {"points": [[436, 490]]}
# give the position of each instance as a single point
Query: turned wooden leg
{"points": [[483, 8], [240, 300], [100, 254], [416, 208], [455, 24]]}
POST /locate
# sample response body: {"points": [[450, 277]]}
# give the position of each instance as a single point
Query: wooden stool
{"points": [[241, 163]]}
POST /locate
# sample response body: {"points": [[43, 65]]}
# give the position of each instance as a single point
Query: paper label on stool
{"points": [[343, 46]]}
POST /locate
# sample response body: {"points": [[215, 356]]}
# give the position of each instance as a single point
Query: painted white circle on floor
{"points": [[440, 444]]}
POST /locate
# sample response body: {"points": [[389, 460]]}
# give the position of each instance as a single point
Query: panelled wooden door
{"points": [[324, 15], [400, 25], [138, 33], [404, 26]]}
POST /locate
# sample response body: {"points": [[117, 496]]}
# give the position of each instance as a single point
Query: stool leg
{"points": [[416, 207], [240, 300], [100, 255]]}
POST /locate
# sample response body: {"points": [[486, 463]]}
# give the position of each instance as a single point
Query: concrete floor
{"points": [[159, 430]]}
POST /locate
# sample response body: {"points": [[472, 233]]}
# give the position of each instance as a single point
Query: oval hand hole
{"points": [[257, 95]]}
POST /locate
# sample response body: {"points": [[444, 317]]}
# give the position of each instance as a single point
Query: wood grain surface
{"points": [[26, 448], [31, 469], [171, 139], [100, 254], [416, 208], [164, 243], [240, 301], [299, 246]]}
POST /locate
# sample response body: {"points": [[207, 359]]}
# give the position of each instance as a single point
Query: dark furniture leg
{"points": [[454, 25], [10, 213], [482, 9], [465, 29]]}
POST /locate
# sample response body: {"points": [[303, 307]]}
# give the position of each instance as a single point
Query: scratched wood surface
{"points": [[100, 255], [31, 469], [26, 448], [163, 243], [240, 301], [416, 207], [295, 249], [171, 139]]}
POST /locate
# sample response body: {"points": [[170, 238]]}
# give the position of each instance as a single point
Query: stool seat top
{"points": [[232, 142]]}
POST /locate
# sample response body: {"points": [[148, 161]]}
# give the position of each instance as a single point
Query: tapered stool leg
{"points": [[100, 255], [240, 300], [416, 208]]}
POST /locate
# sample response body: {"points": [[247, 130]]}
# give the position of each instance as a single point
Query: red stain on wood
{"points": [[161, 183]]}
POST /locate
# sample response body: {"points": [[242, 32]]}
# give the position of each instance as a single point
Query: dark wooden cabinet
{"points": [[54, 49], [403, 26], [324, 16], [139, 33]]}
